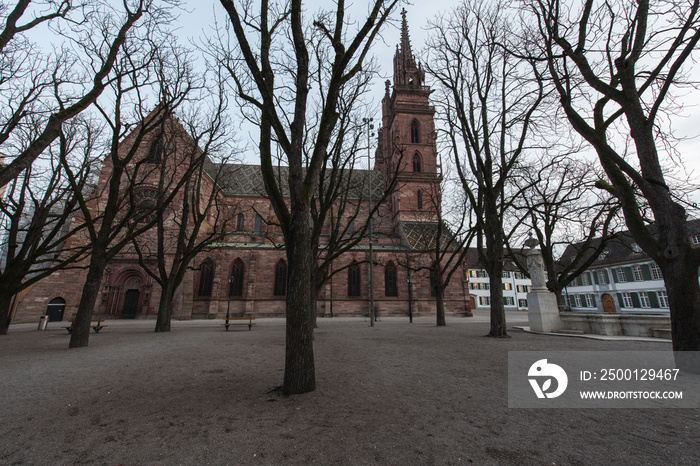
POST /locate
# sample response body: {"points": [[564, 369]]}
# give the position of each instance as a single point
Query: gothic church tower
{"points": [[407, 139]]}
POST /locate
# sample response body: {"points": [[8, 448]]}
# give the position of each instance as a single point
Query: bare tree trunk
{"points": [[683, 295], [680, 271], [165, 307], [439, 287], [493, 254], [299, 372], [80, 334], [8, 288], [440, 306], [498, 312], [6, 295]]}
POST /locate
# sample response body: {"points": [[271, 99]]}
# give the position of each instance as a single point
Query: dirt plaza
{"points": [[396, 393]]}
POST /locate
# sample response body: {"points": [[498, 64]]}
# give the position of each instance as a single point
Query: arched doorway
{"points": [[608, 303], [127, 291], [472, 303], [131, 290], [131, 304], [55, 309]]}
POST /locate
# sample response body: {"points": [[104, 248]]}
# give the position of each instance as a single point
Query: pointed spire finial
{"points": [[406, 52], [406, 73]]}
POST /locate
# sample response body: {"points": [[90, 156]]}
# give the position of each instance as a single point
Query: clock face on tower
{"points": [[145, 202]]}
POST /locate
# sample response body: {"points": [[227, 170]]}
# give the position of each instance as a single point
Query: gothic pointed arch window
{"points": [[415, 132], [417, 163], [390, 289], [155, 152], [354, 280], [280, 278], [240, 222], [206, 278], [236, 281]]}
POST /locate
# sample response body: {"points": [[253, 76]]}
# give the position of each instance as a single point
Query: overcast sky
{"points": [[418, 15]]}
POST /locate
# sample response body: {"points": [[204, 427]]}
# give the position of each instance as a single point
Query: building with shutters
{"points": [[516, 285], [623, 279]]}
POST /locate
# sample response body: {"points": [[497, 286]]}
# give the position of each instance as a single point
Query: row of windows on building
{"points": [[633, 273], [236, 279], [240, 222], [507, 301], [474, 273], [639, 300], [506, 287]]}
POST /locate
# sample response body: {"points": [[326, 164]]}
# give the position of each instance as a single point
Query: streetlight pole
{"points": [[370, 127], [410, 304], [228, 306]]}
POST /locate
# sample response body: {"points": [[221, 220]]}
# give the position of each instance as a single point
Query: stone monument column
{"points": [[543, 310]]}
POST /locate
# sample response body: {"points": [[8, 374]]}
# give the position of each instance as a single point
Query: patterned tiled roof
{"points": [[620, 250], [421, 236], [246, 180]]}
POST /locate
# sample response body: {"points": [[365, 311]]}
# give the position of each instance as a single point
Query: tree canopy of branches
{"points": [[489, 99], [615, 66], [40, 91], [36, 216], [198, 218], [150, 81], [560, 204], [344, 209], [276, 70], [447, 242]]}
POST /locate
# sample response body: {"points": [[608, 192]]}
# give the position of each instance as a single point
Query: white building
{"points": [[623, 279], [516, 285]]}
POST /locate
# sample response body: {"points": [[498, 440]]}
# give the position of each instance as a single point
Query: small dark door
{"points": [[55, 309], [131, 304]]}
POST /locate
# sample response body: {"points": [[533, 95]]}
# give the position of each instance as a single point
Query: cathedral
{"points": [[246, 272]]}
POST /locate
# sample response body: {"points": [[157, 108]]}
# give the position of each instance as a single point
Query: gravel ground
{"points": [[397, 393]]}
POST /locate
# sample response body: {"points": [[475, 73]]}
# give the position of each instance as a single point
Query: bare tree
{"points": [[348, 201], [561, 206], [445, 241], [273, 75], [37, 213], [615, 65], [152, 70], [489, 99], [198, 217], [45, 90]]}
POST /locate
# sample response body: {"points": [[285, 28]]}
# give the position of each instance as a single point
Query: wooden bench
{"points": [[244, 320], [95, 324]]}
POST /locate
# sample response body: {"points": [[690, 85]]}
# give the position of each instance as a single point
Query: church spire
{"points": [[406, 53], [405, 70]]}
